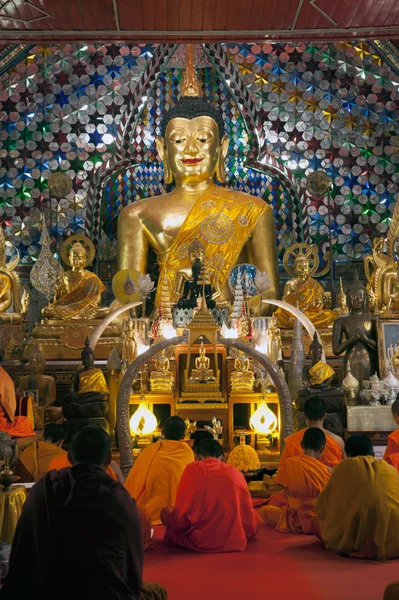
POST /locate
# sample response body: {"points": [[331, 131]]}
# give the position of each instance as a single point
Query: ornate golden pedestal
{"points": [[60, 340]]}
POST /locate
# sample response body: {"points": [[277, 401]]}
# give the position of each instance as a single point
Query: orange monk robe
{"points": [[35, 459], [393, 459], [14, 426], [155, 475], [331, 457], [393, 444], [304, 478], [63, 461], [213, 511], [359, 509]]}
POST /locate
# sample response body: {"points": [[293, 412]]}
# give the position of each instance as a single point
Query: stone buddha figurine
{"points": [[45, 386], [10, 288], [87, 404], [234, 227], [242, 378], [78, 292], [197, 285], [318, 374], [306, 293], [355, 334], [161, 378], [202, 372]]}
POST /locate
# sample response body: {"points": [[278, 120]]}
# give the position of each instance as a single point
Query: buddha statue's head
{"points": [[36, 361], [315, 350], [302, 267], [196, 250], [193, 144], [77, 257], [357, 295], [87, 355], [377, 242]]}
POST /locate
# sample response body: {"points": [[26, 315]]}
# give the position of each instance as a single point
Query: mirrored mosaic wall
{"points": [[332, 106]]}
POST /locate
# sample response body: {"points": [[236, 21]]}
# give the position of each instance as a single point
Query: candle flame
{"points": [[263, 420]]}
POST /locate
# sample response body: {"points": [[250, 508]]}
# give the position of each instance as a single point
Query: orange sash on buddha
{"points": [[155, 475], [213, 511], [304, 478]]}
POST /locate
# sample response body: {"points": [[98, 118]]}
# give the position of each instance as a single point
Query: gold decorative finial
{"points": [[191, 85]]}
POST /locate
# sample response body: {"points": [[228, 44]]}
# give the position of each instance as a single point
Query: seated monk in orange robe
{"points": [[359, 508], [34, 460], [14, 426], [157, 471], [393, 438], [315, 413], [303, 477], [213, 511]]}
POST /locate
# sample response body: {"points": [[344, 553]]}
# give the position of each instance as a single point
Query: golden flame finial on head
{"points": [[191, 85]]}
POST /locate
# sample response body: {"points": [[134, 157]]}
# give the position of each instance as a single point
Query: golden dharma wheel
{"points": [[306, 251]]}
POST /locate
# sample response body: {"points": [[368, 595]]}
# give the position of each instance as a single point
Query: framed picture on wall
{"points": [[388, 344]]}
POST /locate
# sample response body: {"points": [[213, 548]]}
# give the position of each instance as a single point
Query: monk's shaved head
{"points": [[315, 409], [174, 428], [91, 444], [313, 439], [54, 433], [209, 449], [358, 445]]}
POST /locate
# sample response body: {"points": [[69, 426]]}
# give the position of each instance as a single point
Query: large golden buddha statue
{"points": [[302, 290], [10, 288], [78, 292], [232, 226]]}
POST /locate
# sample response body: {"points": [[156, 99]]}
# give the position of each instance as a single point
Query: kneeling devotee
{"points": [[359, 508], [79, 534], [155, 475], [213, 511], [34, 460], [15, 426], [303, 477]]}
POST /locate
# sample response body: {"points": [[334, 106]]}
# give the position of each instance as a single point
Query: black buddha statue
{"points": [[197, 285], [87, 404], [317, 377]]}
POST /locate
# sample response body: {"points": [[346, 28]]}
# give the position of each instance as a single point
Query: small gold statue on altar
{"points": [[242, 378], [342, 308], [275, 345], [193, 148], [161, 378], [129, 345], [202, 372], [10, 288], [302, 290], [78, 292]]}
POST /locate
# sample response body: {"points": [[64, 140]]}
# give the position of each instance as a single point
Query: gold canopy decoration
{"points": [[191, 85]]}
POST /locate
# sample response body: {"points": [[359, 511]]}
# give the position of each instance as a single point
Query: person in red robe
{"points": [[303, 477], [393, 439], [332, 455], [15, 426], [79, 534], [213, 511]]}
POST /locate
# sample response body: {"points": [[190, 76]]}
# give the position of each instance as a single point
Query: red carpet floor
{"points": [[275, 566]]}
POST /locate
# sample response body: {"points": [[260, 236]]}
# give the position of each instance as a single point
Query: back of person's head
{"points": [[208, 448], [315, 409], [314, 439], [395, 410], [358, 445], [91, 444], [54, 433], [174, 428]]}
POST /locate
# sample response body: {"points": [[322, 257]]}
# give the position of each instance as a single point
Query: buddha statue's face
{"points": [[192, 149], [87, 360], [315, 354], [356, 299], [36, 364], [195, 253], [77, 257], [341, 299], [302, 268]]}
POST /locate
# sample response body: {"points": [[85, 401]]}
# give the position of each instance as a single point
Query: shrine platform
{"points": [[275, 565]]}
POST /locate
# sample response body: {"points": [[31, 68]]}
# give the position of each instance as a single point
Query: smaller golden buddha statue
{"points": [[242, 378], [275, 345], [78, 292], [342, 308], [302, 290], [392, 307], [10, 288], [202, 372], [161, 379], [129, 345], [45, 387]]}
